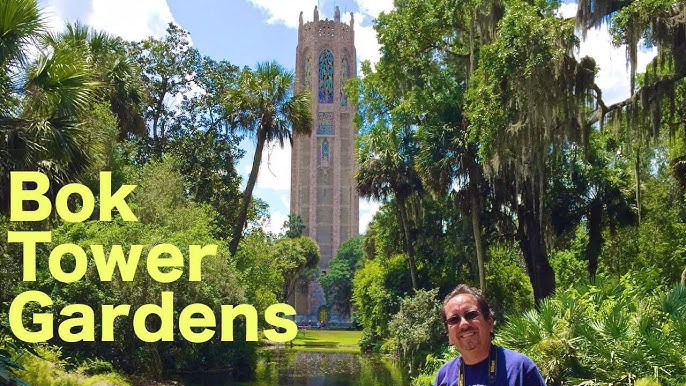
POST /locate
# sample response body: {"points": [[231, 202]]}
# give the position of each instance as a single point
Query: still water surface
{"points": [[309, 368]]}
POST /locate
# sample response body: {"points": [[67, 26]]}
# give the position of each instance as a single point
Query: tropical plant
{"points": [[263, 106], [611, 333], [294, 226], [44, 103], [386, 171], [113, 68]]}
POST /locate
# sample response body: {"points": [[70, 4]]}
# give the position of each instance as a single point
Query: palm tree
{"points": [[294, 226], [263, 105], [113, 67], [386, 170], [447, 162], [44, 101], [20, 24]]}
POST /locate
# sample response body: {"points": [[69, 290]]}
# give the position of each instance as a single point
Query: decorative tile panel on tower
{"points": [[323, 164]]}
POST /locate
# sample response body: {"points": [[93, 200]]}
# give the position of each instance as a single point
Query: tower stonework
{"points": [[323, 163]]}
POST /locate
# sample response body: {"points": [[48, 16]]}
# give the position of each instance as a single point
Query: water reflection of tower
{"points": [[323, 164]]}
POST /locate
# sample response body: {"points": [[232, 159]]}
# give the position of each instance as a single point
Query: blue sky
{"points": [[245, 32]]}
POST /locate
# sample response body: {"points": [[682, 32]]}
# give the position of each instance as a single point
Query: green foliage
{"points": [[433, 363], [416, 328], [662, 236], [338, 281], [44, 101], [614, 332], [569, 264], [10, 369], [513, 62], [49, 369], [648, 381], [262, 279], [205, 159], [294, 226], [166, 71], [376, 297], [507, 286], [120, 87], [103, 141], [423, 380], [294, 257], [196, 131], [166, 216]]}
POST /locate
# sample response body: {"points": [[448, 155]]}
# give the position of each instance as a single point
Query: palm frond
{"points": [[20, 24], [674, 302]]}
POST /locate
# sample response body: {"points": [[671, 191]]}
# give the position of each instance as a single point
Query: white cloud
{"points": [[55, 18], [567, 10], [613, 74], [375, 7], [286, 12], [367, 44], [367, 210], [131, 19], [275, 169], [276, 220]]}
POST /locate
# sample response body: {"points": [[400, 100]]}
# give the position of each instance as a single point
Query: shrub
{"points": [[417, 327], [507, 286], [615, 332]]}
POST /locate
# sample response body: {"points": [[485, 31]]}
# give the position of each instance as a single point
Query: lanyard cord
{"points": [[492, 367]]}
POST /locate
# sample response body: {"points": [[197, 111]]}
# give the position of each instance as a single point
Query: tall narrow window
{"points": [[325, 153], [308, 70], [326, 77], [345, 73]]}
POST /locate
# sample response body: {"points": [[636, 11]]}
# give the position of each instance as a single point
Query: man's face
{"points": [[468, 329]]}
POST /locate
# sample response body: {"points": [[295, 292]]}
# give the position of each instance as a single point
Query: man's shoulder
{"points": [[514, 358], [520, 365], [453, 363], [449, 367]]}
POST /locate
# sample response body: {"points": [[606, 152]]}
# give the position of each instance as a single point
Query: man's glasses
{"points": [[468, 316]]}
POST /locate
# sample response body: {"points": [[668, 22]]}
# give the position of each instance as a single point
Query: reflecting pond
{"points": [[314, 368]]}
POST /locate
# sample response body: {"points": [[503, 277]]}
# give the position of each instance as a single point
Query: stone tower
{"points": [[323, 164]]}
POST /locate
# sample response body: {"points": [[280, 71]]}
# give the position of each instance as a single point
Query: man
{"points": [[469, 322]]}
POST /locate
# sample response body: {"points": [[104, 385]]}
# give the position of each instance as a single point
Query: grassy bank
{"points": [[327, 340]]}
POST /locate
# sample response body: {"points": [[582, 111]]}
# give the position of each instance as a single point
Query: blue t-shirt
{"points": [[513, 369]]}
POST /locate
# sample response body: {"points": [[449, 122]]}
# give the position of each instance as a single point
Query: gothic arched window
{"points": [[326, 77]]}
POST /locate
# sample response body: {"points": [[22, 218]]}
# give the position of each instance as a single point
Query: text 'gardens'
{"points": [[164, 263]]}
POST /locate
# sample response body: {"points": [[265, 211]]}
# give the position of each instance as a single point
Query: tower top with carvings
{"points": [[326, 28]]}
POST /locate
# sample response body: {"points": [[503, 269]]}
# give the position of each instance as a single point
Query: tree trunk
{"points": [[532, 244], [595, 236], [683, 277], [409, 244], [158, 109], [247, 193], [476, 228]]}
